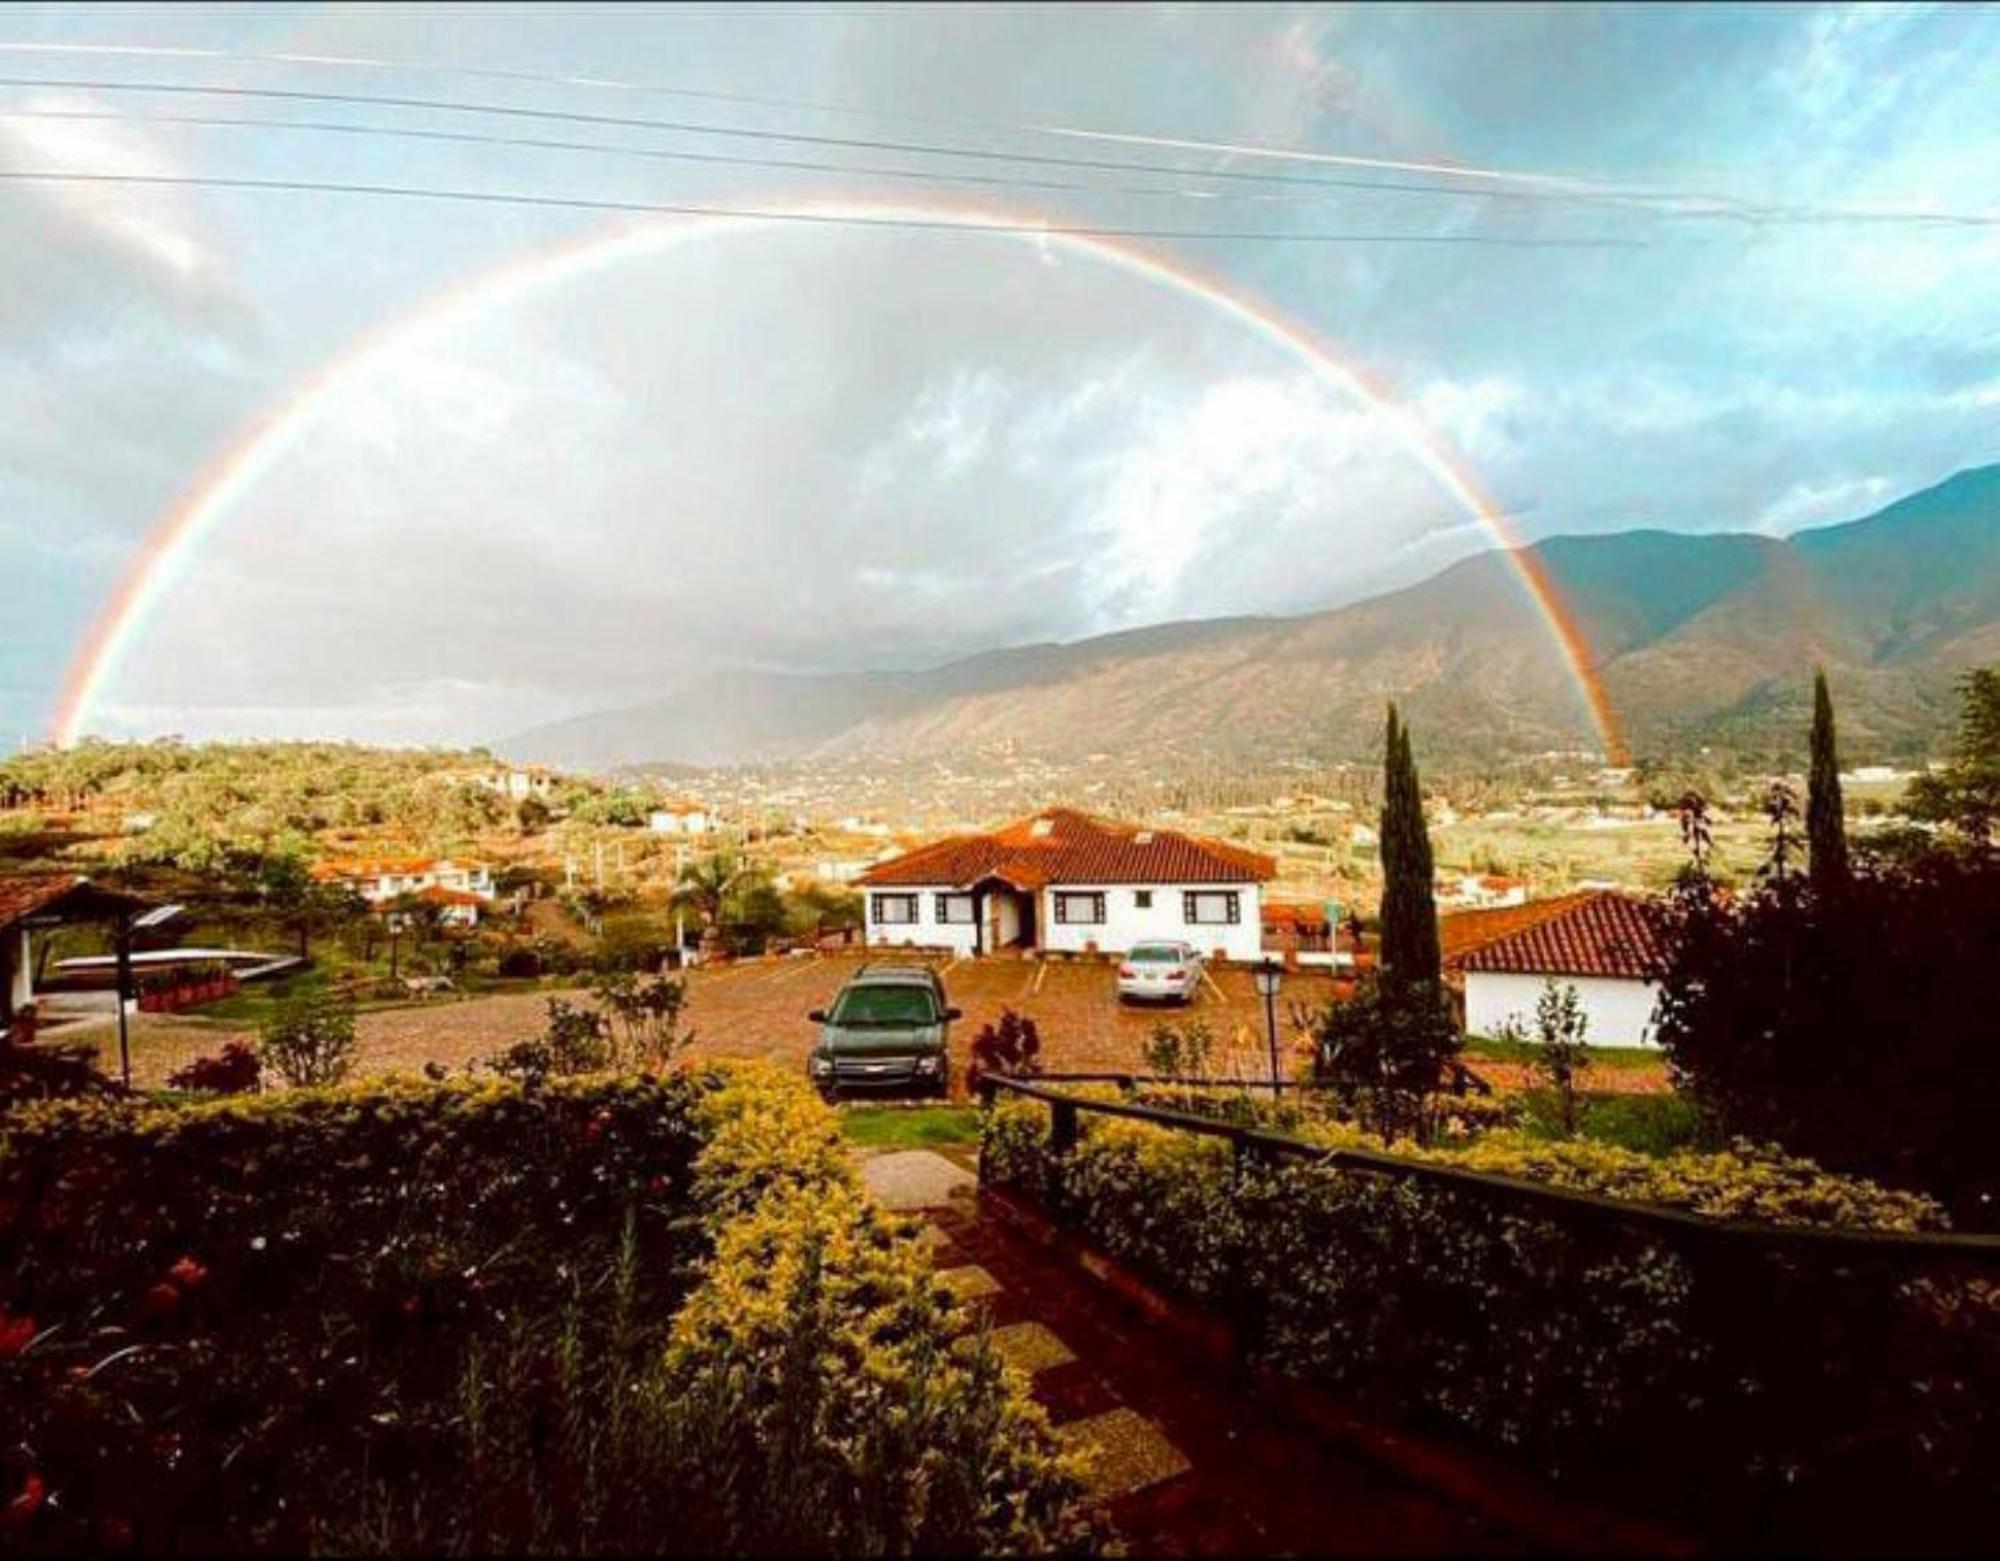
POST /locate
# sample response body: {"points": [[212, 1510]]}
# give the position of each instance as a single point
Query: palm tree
{"points": [[706, 883]]}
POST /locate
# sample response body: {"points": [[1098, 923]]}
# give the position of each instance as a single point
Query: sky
{"points": [[1711, 268]]}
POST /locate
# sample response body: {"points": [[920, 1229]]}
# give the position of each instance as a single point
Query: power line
{"points": [[1541, 185], [486, 138], [754, 214], [444, 105]]}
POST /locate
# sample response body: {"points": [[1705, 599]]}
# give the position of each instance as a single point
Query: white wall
{"points": [[1125, 923], [926, 931], [1620, 1012], [20, 968]]}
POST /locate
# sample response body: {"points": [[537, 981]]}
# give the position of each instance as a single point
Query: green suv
{"points": [[889, 1028]]}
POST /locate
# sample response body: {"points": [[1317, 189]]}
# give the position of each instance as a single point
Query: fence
{"points": [[1772, 1385]]}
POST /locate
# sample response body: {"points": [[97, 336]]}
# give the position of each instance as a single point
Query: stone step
{"points": [[1123, 1452]]}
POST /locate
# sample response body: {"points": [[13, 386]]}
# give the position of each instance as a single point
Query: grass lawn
{"points": [[910, 1127], [1527, 1051], [1650, 1124]]}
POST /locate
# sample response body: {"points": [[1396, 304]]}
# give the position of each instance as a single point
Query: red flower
{"points": [[163, 1300], [188, 1274], [412, 1305], [117, 1533], [28, 1503], [658, 1186], [15, 1334]]}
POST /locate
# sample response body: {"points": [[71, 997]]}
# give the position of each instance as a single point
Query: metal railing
{"points": [[1251, 1145]]}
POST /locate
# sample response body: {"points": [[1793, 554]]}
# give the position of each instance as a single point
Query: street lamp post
{"points": [[1268, 975]]}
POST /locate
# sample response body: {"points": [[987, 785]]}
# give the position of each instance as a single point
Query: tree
{"points": [[1561, 1052], [1012, 1045], [1855, 1028], [705, 885], [1826, 825], [1385, 1051], [1965, 794], [1410, 951]]}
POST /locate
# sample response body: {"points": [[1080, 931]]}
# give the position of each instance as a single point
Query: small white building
{"points": [[1604, 944], [682, 818], [460, 890], [1063, 881]]}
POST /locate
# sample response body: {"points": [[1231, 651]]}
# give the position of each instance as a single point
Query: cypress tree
{"points": [[1409, 911], [1826, 828]]}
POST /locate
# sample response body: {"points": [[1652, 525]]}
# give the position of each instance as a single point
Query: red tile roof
{"points": [[25, 895], [1064, 846], [1596, 933]]}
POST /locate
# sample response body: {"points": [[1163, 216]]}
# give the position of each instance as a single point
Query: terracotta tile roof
{"points": [[1306, 918], [437, 895], [25, 895], [1597, 933], [1064, 846], [1460, 932]]}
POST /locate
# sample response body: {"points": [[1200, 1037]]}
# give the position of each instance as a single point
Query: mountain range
{"points": [[1699, 638]]}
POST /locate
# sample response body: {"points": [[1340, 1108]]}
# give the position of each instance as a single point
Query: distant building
{"points": [[460, 890], [1478, 891], [1064, 881], [1604, 944], [680, 818], [519, 784]]}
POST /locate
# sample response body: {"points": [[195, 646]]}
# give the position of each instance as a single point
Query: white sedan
{"points": [[1169, 972]]}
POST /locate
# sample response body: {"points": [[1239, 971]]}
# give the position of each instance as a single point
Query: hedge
{"points": [[443, 1318], [1749, 1391]]}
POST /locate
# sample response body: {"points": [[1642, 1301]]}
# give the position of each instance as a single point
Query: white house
{"points": [[681, 818], [460, 890], [1470, 891], [1063, 881], [1604, 944]]}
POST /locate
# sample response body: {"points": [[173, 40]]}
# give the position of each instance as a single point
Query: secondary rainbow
{"points": [[235, 469]]}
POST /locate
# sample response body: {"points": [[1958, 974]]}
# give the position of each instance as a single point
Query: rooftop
{"points": [[1595, 933], [1067, 846]]}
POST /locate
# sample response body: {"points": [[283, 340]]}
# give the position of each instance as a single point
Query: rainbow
{"points": [[236, 468]]}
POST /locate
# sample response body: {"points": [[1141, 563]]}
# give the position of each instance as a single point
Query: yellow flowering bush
{"points": [[482, 1317]]}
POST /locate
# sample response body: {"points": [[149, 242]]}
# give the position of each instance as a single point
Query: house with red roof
{"points": [[1064, 881], [460, 890], [1605, 944]]}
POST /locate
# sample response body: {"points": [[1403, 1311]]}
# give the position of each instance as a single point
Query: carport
{"points": [[41, 902]]}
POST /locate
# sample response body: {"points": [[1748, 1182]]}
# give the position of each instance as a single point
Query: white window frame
{"points": [[945, 903], [1232, 906], [878, 903], [1093, 902]]}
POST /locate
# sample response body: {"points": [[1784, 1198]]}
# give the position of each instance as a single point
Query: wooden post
{"points": [[1062, 1143]]}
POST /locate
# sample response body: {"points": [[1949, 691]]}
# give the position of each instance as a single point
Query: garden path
{"points": [[1182, 1461]]}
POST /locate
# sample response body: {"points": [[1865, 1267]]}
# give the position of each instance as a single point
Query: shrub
{"points": [[49, 1071], [309, 1039], [401, 1317], [235, 1070], [1750, 1383], [1011, 1044], [518, 963], [1386, 1049], [576, 1041]]}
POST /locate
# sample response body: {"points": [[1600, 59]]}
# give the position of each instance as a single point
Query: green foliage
{"points": [[645, 1015], [1410, 953], [909, 1127], [1826, 823], [1561, 1047], [1744, 1384], [309, 1038], [576, 1041], [235, 1070], [469, 1318], [1965, 794], [1012, 1045], [1853, 1027], [1385, 1050]]}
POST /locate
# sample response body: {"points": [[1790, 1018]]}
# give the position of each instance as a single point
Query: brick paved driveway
{"points": [[759, 1009]]}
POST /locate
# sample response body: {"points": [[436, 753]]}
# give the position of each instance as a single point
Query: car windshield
{"points": [[860, 1005], [1156, 954]]}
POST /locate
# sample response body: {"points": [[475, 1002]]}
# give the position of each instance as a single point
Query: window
{"points": [[955, 909], [1211, 907], [895, 910], [884, 1005], [1075, 910], [1142, 899]]}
